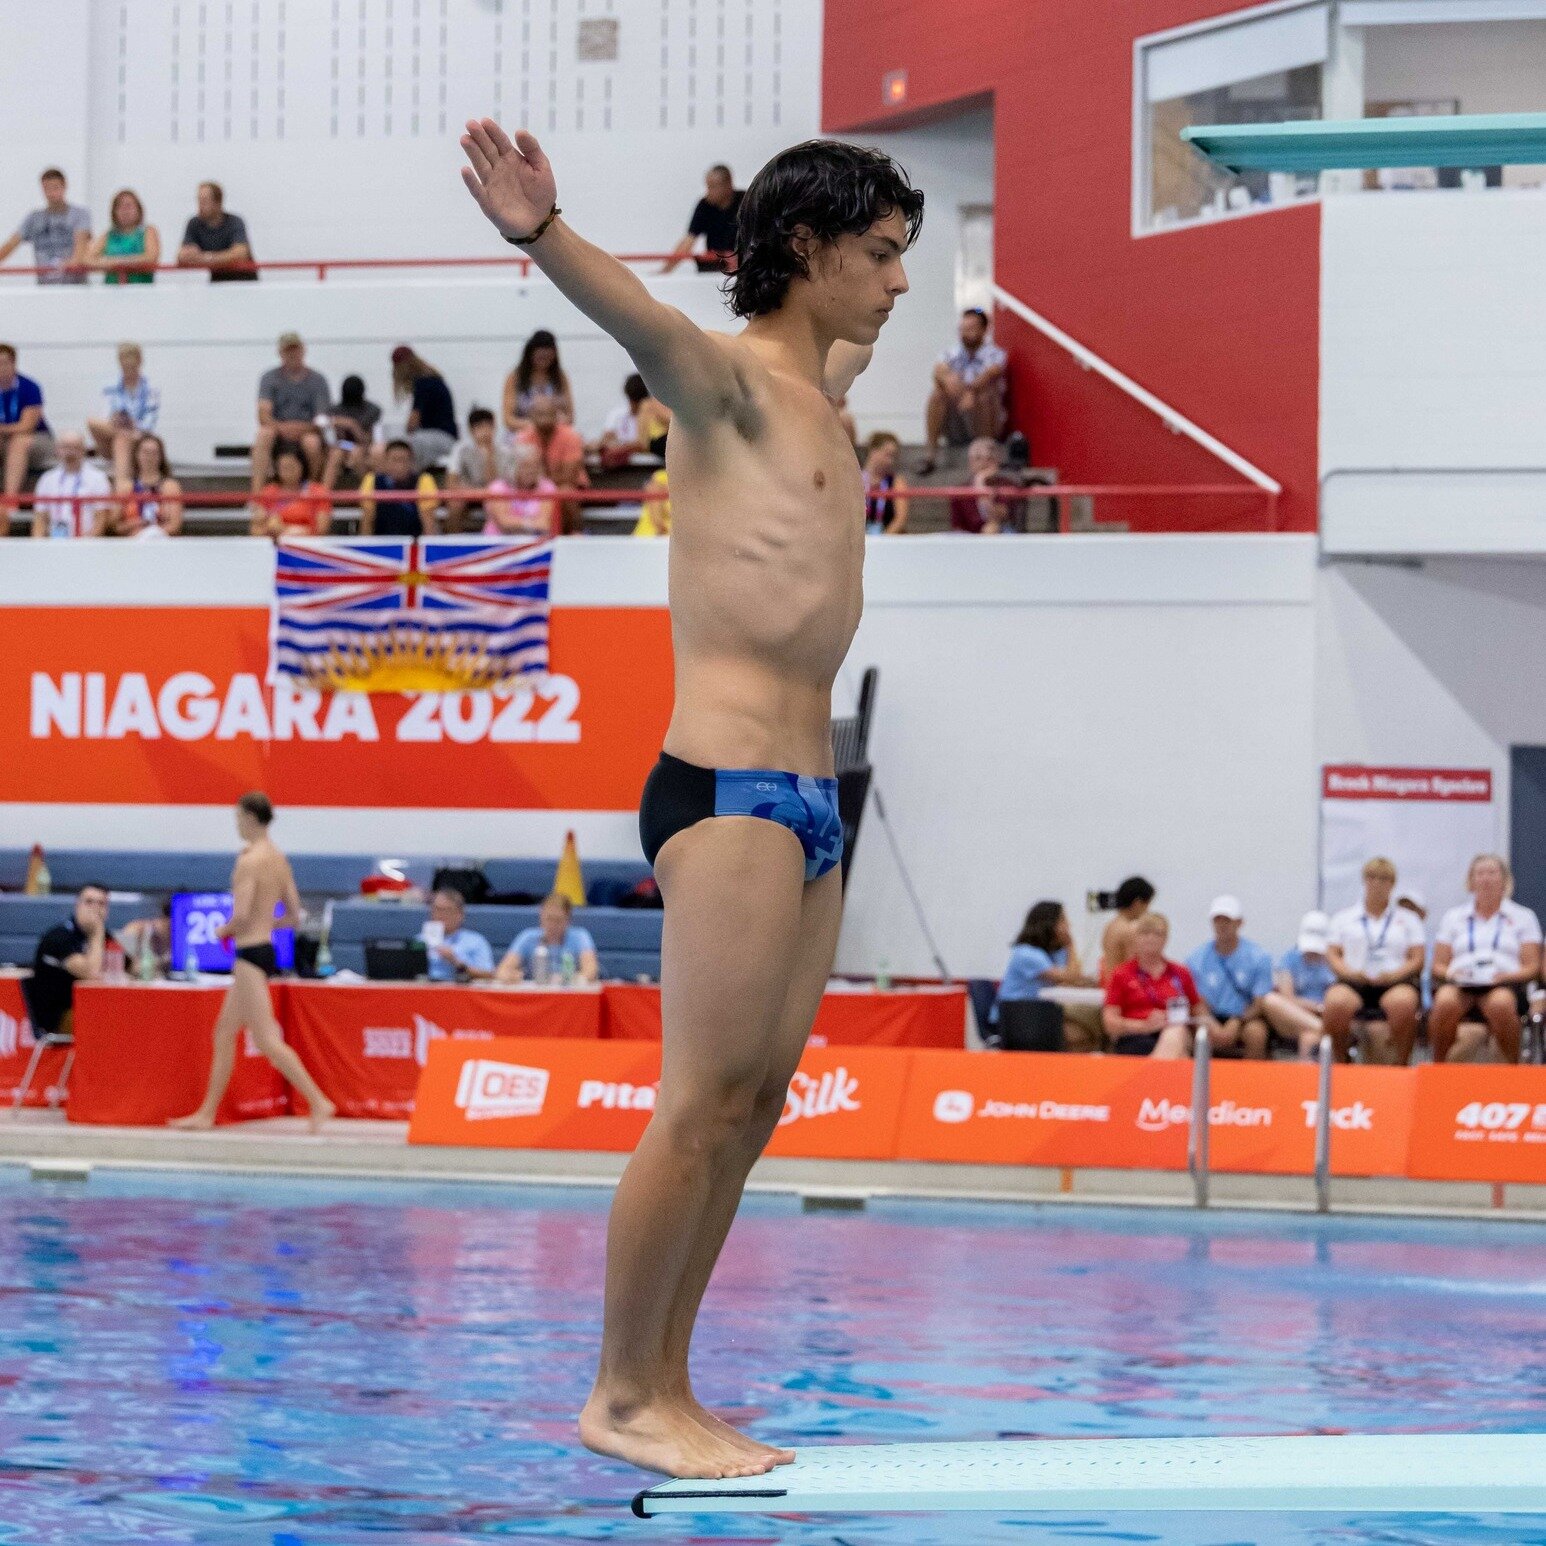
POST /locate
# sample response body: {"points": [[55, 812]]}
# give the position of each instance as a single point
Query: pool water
{"points": [[203, 1359]]}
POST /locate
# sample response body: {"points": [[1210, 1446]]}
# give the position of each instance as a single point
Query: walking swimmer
{"points": [[739, 818], [260, 881]]}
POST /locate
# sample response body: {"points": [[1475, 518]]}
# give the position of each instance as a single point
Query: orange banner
{"points": [[169, 706], [1479, 1124], [931, 1018], [16, 1046], [529, 1094], [1132, 1113], [365, 1044], [142, 1057]]}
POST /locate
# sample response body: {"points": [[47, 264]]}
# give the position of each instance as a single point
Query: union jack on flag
{"points": [[410, 614]]}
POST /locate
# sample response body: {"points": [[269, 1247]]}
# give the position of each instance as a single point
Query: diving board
{"points": [[1395, 1473], [1319, 145]]}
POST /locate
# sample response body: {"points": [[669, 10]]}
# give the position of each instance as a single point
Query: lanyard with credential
{"points": [[1470, 926], [1376, 946]]}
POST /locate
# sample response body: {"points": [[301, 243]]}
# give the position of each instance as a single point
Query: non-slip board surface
{"points": [[1466, 1473], [1318, 145]]}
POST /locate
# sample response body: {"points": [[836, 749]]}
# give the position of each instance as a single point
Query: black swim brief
{"points": [[261, 956], [680, 794]]}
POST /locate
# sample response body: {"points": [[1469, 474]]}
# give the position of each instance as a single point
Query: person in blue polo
{"points": [[1234, 976]]}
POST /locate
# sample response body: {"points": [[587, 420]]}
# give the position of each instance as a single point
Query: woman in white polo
{"points": [[1487, 953]]}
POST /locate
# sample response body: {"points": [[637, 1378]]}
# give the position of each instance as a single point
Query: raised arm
{"points": [[514, 186], [845, 363]]}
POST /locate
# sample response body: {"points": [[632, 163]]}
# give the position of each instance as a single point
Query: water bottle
{"points": [[1178, 1011], [540, 970], [568, 969], [145, 966], [883, 976], [112, 961], [324, 964]]}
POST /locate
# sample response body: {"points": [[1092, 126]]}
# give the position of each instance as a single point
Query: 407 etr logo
{"points": [[1507, 1121]]}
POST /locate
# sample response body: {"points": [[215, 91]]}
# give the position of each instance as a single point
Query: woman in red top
{"points": [[1151, 1003], [290, 506]]}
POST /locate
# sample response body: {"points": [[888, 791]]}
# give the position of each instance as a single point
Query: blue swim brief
{"points": [[680, 794]]}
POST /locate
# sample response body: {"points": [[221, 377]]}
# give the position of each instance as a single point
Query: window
{"points": [[1258, 66]]}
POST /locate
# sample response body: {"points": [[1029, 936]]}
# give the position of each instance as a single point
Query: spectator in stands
{"points": [[354, 419], [217, 241], [129, 250], [885, 510], [1131, 901], [150, 502], [292, 397], [984, 470], [1304, 974], [560, 936], [133, 409], [290, 506], [1044, 955], [478, 461], [411, 517], [562, 452], [462, 954], [1152, 1004], [637, 426], [1487, 954], [1376, 949], [538, 376], [525, 512], [431, 423], [68, 953], [1234, 976], [967, 400], [714, 219], [26, 442], [655, 508], [56, 510], [60, 234]]}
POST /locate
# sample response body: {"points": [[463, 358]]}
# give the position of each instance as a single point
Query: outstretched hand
{"points": [[512, 182]]}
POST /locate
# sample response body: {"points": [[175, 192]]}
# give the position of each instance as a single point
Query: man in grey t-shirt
{"points": [[60, 234], [291, 398]]}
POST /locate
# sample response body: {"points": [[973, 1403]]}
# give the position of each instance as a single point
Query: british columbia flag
{"points": [[385, 614]]}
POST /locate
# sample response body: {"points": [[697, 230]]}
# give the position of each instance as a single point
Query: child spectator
{"points": [[411, 517], [150, 502], [884, 512], [477, 462], [290, 506], [637, 425]]}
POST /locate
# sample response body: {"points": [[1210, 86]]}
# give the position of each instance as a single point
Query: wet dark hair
{"points": [[258, 806], [1041, 927], [1134, 889], [828, 188]]}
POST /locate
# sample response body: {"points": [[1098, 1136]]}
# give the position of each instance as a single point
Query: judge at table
{"points": [[456, 953], [559, 935]]}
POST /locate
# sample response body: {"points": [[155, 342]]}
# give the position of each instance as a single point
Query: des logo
{"points": [[953, 1106], [490, 1089]]}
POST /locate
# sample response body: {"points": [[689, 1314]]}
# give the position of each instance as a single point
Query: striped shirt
{"points": [[141, 406]]}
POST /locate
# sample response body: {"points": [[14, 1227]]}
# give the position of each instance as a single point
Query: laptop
{"points": [[396, 960]]}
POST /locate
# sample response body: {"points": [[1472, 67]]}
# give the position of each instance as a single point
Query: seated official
{"points": [[68, 953], [1304, 974], [559, 935], [462, 954], [1376, 949], [1234, 976], [1044, 955], [1152, 1004], [1487, 954]]}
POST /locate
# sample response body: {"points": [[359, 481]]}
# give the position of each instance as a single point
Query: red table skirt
{"points": [[142, 1052], [16, 1050]]}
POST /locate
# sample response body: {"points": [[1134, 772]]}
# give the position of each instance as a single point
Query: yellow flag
{"points": [[569, 881]]}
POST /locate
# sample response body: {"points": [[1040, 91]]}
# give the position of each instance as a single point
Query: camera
{"points": [[1100, 901]]}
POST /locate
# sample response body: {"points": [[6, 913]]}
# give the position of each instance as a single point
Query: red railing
{"points": [[322, 267], [1055, 493]]}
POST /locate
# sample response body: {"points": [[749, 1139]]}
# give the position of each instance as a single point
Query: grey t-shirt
{"points": [[53, 241], [295, 399], [470, 463]]}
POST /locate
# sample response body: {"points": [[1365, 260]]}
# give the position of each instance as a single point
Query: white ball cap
{"points": [[1227, 907], [1314, 934]]}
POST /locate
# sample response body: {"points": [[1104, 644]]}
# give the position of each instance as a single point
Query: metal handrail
{"points": [[1323, 1129], [1197, 1136]]}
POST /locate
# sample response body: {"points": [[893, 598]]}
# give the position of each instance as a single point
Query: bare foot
{"points": [[197, 1122], [664, 1436], [323, 1111], [743, 1441]]}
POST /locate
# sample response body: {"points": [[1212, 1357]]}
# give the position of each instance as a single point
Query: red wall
{"points": [[1220, 320]]}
